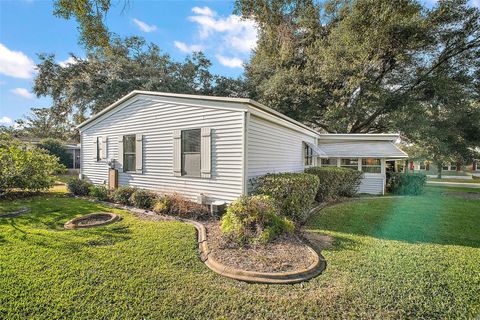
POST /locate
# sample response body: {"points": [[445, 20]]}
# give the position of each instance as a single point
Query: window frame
{"points": [[375, 166], [129, 153], [328, 165], [349, 166], [307, 155], [182, 152]]}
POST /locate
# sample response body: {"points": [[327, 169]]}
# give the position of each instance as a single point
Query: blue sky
{"points": [[177, 27], [28, 27]]}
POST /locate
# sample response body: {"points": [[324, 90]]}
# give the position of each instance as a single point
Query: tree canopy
{"points": [[347, 66], [89, 85]]}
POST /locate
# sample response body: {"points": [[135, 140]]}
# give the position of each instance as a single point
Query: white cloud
{"points": [[6, 121], [66, 62], [230, 39], [15, 63], [205, 11], [229, 62], [144, 26], [182, 46], [22, 92]]}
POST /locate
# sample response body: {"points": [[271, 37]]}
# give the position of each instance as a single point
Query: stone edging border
{"points": [[71, 224], [16, 213], [290, 277]]}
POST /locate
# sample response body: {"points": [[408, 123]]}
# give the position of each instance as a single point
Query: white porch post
{"points": [[359, 164], [338, 162]]}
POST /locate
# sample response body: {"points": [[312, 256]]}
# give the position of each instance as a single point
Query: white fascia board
{"points": [[324, 137]]}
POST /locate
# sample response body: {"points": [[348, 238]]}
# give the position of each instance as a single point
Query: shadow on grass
{"points": [[43, 226], [430, 218]]}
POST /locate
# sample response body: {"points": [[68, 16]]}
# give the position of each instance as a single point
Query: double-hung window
{"points": [[349, 163], [191, 157], [371, 165], [308, 154], [129, 153]]}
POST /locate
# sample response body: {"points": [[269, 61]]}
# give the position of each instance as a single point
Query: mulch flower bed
{"points": [[286, 253], [92, 220]]}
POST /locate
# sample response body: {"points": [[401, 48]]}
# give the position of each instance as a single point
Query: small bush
{"points": [[162, 205], [99, 192], [336, 182], [293, 193], [123, 194], [143, 199], [254, 219], [406, 183], [78, 187]]}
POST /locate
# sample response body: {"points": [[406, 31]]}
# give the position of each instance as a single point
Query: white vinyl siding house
{"points": [[208, 146]]}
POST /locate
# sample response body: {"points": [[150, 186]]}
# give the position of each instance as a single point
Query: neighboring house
{"points": [[72, 148], [213, 146]]}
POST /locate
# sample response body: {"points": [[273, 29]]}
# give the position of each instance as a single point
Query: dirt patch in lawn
{"points": [[287, 253], [464, 195]]}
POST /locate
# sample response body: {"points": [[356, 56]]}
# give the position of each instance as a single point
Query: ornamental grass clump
{"points": [[254, 219], [293, 193]]}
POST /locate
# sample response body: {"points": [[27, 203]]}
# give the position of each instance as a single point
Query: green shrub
{"points": [[162, 205], [56, 148], [143, 199], [254, 219], [99, 192], [25, 167], [123, 194], [406, 183], [336, 182], [78, 187], [293, 193]]}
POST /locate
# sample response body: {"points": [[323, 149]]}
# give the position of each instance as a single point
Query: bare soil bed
{"points": [[287, 253], [92, 220]]}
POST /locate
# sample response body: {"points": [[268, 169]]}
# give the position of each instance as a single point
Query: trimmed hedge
{"points": [[336, 182], [78, 187], [406, 183], [293, 193], [254, 219]]}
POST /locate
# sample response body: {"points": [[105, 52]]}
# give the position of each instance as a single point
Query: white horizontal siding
{"points": [[372, 183], [156, 121], [272, 148]]}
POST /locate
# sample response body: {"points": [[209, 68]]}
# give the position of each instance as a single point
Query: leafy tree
{"points": [[41, 123], [445, 128], [90, 16], [90, 85], [56, 148], [25, 167], [347, 66]]}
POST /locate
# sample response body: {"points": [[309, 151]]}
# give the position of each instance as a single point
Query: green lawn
{"points": [[405, 257]]}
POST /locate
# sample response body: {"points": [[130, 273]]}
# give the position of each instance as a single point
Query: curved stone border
{"points": [[289, 277], [16, 213], [70, 225]]}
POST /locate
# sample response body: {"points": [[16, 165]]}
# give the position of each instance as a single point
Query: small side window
{"points": [[308, 155], [129, 153]]}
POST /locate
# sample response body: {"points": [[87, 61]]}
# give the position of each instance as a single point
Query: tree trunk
{"points": [[439, 170]]}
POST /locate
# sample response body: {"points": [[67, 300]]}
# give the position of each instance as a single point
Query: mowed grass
{"points": [[405, 257]]}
